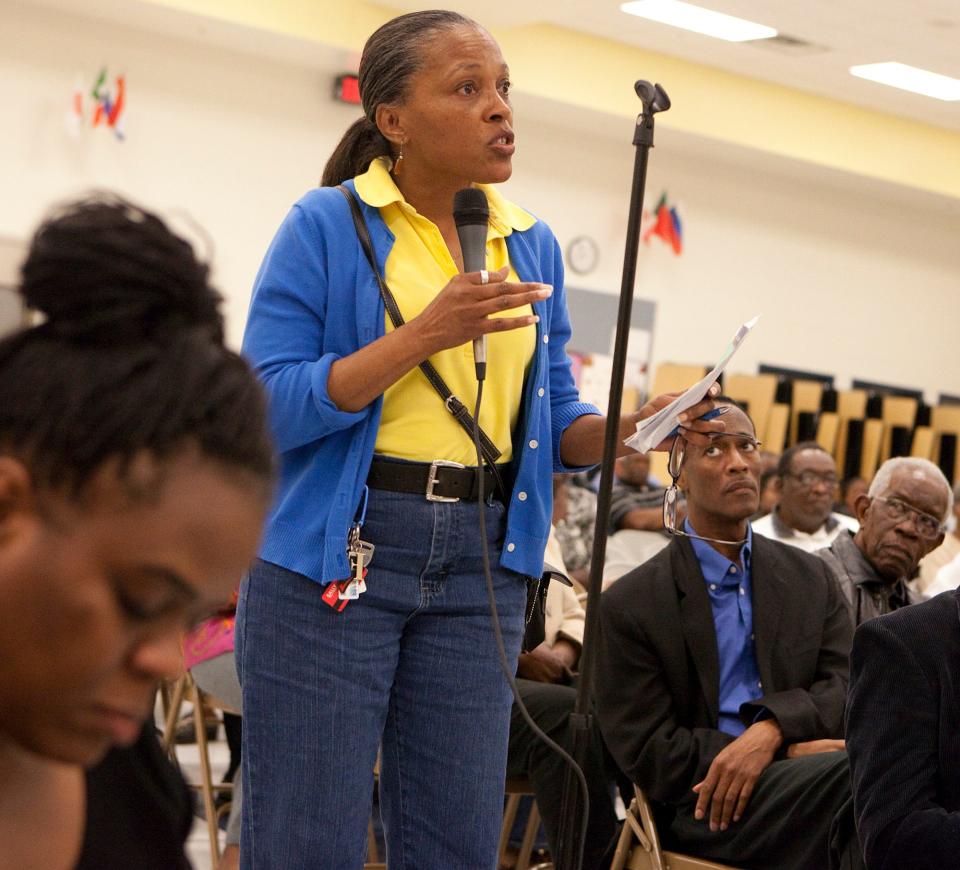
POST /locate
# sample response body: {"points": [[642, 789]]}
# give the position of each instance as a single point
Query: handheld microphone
{"points": [[471, 215]]}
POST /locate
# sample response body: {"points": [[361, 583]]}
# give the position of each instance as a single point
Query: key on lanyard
{"points": [[359, 554]]}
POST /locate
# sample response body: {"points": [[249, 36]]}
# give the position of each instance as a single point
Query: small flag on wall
{"points": [[665, 223], [107, 108]]}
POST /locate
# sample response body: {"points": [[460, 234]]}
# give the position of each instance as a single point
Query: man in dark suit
{"points": [[722, 674], [903, 736]]}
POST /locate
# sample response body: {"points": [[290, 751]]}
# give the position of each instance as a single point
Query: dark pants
{"points": [[550, 707], [786, 825]]}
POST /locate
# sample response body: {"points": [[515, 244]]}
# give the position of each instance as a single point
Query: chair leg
{"points": [[649, 826], [529, 836], [509, 815], [623, 847], [206, 783], [373, 854], [173, 701]]}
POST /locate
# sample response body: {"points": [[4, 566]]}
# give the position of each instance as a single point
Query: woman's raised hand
{"points": [[693, 429], [461, 311]]}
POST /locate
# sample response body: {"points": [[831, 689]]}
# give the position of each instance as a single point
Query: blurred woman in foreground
{"points": [[135, 472]]}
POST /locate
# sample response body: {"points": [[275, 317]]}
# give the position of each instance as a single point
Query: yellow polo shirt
{"points": [[414, 425]]}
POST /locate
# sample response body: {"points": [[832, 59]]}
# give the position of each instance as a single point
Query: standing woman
{"points": [[365, 440], [135, 472]]}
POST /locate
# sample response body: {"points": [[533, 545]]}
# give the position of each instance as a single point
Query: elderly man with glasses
{"points": [[902, 518], [804, 516], [723, 671]]}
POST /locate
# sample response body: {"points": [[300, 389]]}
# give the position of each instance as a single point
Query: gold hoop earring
{"points": [[398, 160]]}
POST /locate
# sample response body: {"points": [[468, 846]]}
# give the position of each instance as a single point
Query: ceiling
{"points": [[920, 162], [838, 34]]}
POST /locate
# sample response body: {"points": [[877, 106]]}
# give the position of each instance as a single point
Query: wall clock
{"points": [[583, 254]]}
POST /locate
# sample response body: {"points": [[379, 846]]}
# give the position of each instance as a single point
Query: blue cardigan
{"points": [[316, 300]]}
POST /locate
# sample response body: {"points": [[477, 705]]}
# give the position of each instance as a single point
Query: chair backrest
{"points": [[897, 412], [758, 393], [669, 378], [514, 789], [828, 427], [806, 399], [851, 405], [945, 422], [778, 422]]}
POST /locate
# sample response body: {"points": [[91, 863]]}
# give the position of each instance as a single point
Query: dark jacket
{"points": [[139, 810], [658, 681], [903, 736], [866, 593]]}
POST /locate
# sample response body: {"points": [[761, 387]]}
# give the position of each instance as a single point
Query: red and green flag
{"points": [[665, 223]]}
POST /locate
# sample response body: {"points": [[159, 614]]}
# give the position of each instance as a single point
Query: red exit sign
{"points": [[346, 89]]}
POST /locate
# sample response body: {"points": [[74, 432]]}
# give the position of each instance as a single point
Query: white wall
{"points": [[851, 278], [851, 281], [231, 139]]}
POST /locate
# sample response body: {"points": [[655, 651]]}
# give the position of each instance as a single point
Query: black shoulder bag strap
{"points": [[458, 409]]}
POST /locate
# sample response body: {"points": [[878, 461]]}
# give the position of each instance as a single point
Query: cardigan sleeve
{"points": [[284, 337], [565, 404]]}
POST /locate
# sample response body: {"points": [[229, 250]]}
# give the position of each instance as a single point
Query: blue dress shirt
{"points": [[730, 599]]}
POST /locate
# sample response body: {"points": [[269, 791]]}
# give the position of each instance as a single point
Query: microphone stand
{"points": [[653, 99]]}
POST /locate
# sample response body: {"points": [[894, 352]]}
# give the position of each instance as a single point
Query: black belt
{"points": [[436, 481]]}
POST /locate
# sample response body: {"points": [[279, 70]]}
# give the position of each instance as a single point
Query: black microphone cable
{"points": [[498, 635]]}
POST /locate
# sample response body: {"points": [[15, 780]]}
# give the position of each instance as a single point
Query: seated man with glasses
{"points": [[804, 516], [722, 673], [902, 518]]}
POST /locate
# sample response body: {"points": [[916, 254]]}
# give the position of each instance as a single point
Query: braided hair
{"points": [[129, 357]]}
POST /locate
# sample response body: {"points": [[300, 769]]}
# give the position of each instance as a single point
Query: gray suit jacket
{"points": [[658, 682]]}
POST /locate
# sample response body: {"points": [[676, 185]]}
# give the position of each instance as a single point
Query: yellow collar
{"points": [[377, 189]]}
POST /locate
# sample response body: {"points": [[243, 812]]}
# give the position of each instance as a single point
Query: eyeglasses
{"points": [[672, 496], [927, 526], [807, 479]]}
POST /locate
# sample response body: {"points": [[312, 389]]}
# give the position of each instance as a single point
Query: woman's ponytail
{"points": [[360, 145]]}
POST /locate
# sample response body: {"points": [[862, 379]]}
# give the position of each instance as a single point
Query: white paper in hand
{"points": [[654, 429]]}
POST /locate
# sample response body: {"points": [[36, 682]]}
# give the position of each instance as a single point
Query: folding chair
{"points": [[207, 787], [514, 790], [171, 698], [646, 854]]}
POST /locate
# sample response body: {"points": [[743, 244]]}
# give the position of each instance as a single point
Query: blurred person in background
{"points": [[850, 490], [803, 516], [929, 582]]}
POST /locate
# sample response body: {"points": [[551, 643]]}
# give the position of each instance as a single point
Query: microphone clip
{"points": [[654, 99]]}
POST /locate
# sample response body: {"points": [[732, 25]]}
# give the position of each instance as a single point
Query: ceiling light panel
{"points": [[910, 78], [699, 20]]}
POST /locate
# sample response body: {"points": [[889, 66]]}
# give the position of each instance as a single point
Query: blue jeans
{"points": [[412, 666]]}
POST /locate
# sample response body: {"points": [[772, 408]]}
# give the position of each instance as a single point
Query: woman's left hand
{"points": [[692, 428], [582, 442]]}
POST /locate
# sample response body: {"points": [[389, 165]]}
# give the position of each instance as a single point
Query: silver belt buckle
{"points": [[432, 479]]}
